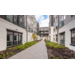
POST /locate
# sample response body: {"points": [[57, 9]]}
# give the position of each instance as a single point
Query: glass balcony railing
{"points": [[61, 24]]}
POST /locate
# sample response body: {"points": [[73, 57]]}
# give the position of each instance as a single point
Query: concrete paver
{"points": [[37, 51]]}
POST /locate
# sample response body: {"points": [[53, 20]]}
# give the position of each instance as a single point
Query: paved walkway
{"points": [[37, 51]]}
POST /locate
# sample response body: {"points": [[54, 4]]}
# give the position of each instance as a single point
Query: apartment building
{"points": [[63, 31], [31, 27], [16, 30], [43, 32]]}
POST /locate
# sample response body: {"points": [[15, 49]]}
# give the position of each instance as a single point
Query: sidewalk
{"points": [[37, 51]]}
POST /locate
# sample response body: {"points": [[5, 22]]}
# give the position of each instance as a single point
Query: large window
{"points": [[13, 38], [20, 21], [73, 37], [9, 38], [9, 18], [15, 19], [20, 39]]}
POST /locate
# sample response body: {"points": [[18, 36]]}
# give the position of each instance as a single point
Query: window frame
{"points": [[73, 44], [17, 21], [13, 37], [12, 18]]}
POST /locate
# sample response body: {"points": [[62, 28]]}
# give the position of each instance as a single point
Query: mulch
{"points": [[14, 51], [60, 53]]}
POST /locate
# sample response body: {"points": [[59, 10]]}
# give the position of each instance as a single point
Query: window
{"points": [[61, 21], [20, 38], [15, 19], [20, 21], [13, 38], [9, 38], [9, 18], [73, 37]]}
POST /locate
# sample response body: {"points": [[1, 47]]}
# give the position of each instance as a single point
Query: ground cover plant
{"points": [[13, 50], [57, 51]]}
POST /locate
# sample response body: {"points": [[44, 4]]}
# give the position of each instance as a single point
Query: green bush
{"points": [[7, 54], [22, 47], [8, 48], [14, 52], [66, 57], [11, 53], [74, 55], [55, 45], [56, 57], [72, 58], [52, 57], [1, 57], [60, 57]]}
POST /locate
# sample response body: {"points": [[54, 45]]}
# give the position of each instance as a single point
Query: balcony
{"points": [[61, 24], [45, 33]]}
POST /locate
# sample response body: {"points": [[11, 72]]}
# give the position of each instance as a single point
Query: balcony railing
{"points": [[61, 24]]}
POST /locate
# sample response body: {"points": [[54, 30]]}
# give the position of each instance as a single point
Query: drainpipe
{"points": [[26, 30], [58, 31]]}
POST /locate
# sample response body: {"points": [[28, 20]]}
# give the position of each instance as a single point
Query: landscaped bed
{"points": [[11, 51], [57, 51]]}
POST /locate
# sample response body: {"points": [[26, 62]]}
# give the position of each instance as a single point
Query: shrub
{"points": [[72, 58], [20, 47], [1, 57], [34, 36], [52, 57], [8, 48], [14, 52], [60, 57], [74, 55], [7, 54], [56, 57], [11, 53], [66, 57], [55, 45]]}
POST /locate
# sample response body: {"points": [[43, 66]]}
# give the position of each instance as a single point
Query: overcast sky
{"points": [[43, 20]]}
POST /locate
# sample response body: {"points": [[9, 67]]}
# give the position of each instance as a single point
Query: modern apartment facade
{"points": [[63, 31], [31, 27], [44, 32], [15, 30]]}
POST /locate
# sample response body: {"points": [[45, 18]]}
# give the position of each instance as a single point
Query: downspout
{"points": [[26, 30], [58, 31]]}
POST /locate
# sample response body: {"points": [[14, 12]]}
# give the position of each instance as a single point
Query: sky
{"points": [[43, 20]]}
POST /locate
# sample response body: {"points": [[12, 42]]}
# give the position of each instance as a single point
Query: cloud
{"points": [[43, 20]]}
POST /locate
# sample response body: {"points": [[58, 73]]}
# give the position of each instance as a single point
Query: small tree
{"points": [[34, 36]]}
